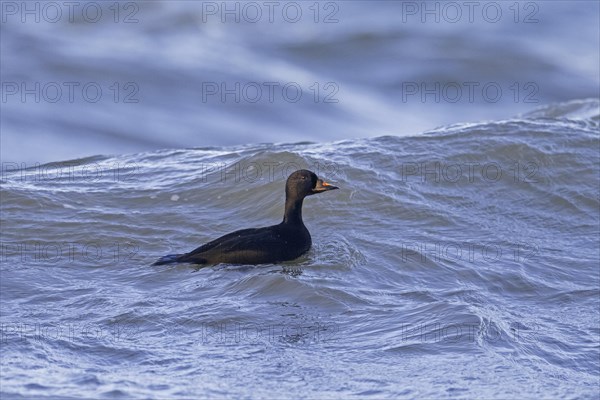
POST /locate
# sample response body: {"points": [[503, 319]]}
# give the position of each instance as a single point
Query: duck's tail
{"points": [[168, 259]]}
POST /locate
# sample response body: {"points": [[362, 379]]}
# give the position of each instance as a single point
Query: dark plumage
{"points": [[283, 242]]}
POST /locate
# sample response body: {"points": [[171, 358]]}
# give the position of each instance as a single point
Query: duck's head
{"points": [[304, 183]]}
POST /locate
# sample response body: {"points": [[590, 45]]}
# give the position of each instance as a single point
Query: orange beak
{"points": [[323, 186]]}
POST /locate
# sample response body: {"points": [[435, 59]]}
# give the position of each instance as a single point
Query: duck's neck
{"points": [[293, 211]]}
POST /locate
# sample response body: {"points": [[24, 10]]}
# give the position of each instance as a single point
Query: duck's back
{"points": [[253, 246]]}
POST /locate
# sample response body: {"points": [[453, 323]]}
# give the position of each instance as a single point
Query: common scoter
{"points": [[283, 242]]}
